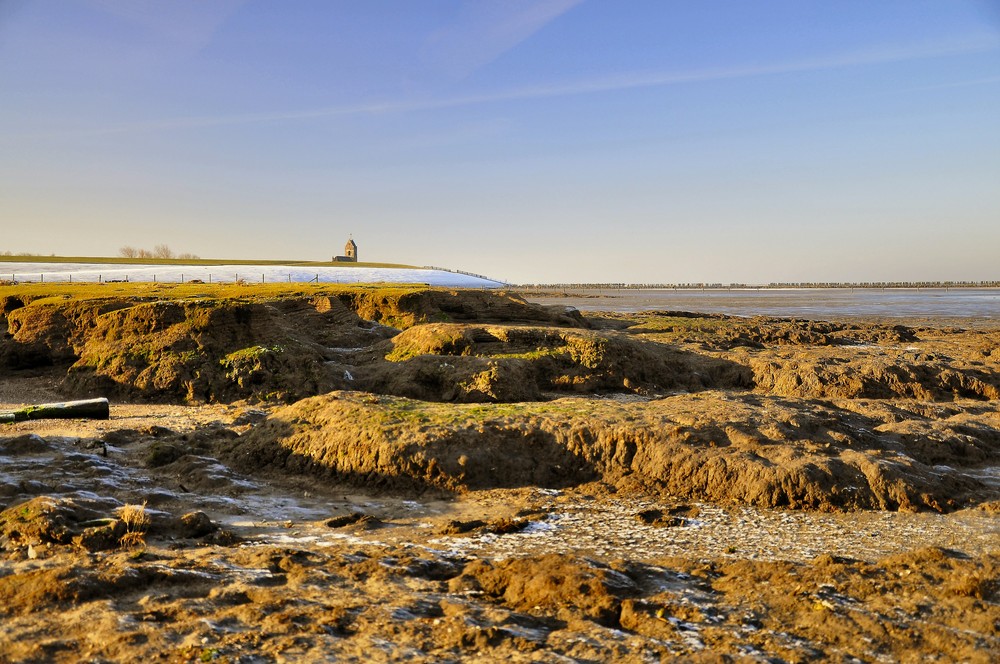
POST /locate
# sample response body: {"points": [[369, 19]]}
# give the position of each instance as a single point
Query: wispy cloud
{"points": [[613, 83], [486, 29], [839, 61], [953, 84], [188, 25]]}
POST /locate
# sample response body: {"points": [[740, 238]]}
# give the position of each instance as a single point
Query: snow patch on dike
{"points": [[110, 272]]}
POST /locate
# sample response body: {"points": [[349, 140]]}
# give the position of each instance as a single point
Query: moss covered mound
{"points": [[404, 309], [50, 332], [185, 344], [711, 446], [876, 375], [816, 359], [205, 348], [201, 351], [474, 363]]}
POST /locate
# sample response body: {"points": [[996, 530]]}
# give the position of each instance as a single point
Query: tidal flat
{"points": [[350, 473]]}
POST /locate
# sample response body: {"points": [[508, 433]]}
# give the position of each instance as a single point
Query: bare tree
{"points": [[188, 257], [162, 251], [128, 252], [144, 253]]}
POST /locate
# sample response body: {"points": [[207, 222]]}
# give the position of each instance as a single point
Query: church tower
{"points": [[351, 251]]}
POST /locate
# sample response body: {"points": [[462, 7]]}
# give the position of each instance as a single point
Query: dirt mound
{"points": [[831, 600], [471, 346], [472, 363], [458, 379], [92, 524], [392, 442], [44, 588], [206, 349], [46, 520], [764, 332], [48, 332], [201, 352], [404, 309], [563, 585], [875, 377], [819, 610], [720, 447], [722, 332], [815, 359]]}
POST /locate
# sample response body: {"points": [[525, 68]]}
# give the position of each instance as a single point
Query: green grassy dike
{"points": [[38, 293]]}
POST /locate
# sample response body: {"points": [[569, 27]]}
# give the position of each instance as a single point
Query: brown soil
{"points": [[472, 363], [501, 481], [210, 350], [723, 447]]}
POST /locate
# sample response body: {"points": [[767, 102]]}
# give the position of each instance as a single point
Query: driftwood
{"points": [[89, 409]]}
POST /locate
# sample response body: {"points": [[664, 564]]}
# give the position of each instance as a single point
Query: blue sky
{"points": [[533, 141]]}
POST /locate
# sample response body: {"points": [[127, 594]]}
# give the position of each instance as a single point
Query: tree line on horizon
{"points": [[159, 251]]}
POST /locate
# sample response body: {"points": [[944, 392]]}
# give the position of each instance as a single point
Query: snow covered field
{"points": [[92, 272]]}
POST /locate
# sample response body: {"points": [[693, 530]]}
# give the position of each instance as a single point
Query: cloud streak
{"points": [[187, 24], [613, 83], [486, 29]]}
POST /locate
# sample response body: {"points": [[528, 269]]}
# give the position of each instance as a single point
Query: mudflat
{"points": [[406, 473]]}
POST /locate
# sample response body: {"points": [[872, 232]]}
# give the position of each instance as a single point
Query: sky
{"points": [[533, 141]]}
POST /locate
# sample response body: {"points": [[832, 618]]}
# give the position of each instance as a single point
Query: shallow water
{"points": [[968, 305]]}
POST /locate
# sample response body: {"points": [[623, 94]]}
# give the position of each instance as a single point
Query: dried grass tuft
{"points": [[137, 522]]}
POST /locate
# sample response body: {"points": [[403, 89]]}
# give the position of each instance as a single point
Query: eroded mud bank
{"points": [[378, 474]]}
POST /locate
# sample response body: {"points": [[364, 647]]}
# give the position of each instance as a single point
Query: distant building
{"points": [[350, 253]]}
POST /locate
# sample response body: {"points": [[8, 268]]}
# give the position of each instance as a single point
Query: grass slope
{"points": [[38, 293]]}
